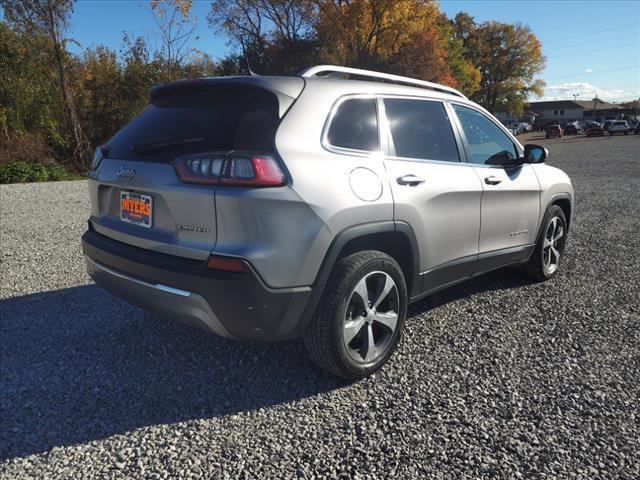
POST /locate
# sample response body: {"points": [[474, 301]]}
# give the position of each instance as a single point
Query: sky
{"points": [[591, 46]]}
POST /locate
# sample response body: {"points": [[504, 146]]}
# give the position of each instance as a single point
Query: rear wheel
{"points": [[545, 260], [361, 317]]}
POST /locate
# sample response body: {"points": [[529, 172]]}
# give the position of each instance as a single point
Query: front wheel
{"points": [[545, 259], [361, 316]]}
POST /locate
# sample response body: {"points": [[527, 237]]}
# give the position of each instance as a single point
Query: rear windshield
{"points": [[620, 123], [231, 118]]}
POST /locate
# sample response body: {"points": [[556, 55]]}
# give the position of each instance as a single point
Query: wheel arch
{"points": [[396, 239], [563, 200], [398, 244]]}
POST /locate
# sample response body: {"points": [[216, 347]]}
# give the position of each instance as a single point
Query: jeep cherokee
{"points": [[267, 208]]}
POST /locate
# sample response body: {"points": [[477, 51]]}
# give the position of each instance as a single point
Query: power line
{"points": [[599, 39], [592, 32], [569, 54], [616, 69]]}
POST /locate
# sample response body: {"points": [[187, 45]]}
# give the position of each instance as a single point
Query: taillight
{"points": [[262, 171], [200, 168], [233, 170]]}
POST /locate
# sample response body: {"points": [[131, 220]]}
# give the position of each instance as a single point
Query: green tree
{"points": [[44, 22], [28, 100], [508, 58], [100, 85], [276, 35]]}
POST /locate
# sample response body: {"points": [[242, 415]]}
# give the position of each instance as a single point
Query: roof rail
{"points": [[321, 70]]}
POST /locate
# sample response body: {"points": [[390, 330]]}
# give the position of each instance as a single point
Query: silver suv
{"points": [[319, 205]]}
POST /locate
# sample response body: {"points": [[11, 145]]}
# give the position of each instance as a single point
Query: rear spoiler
{"points": [[286, 89]]}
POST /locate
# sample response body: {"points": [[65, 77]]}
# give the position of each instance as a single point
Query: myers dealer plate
{"points": [[136, 208]]}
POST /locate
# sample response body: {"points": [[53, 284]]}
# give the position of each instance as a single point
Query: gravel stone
{"points": [[495, 378]]}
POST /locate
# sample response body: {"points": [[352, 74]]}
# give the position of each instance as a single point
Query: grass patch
{"points": [[21, 172]]}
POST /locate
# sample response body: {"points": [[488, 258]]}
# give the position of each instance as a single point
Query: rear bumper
{"points": [[232, 305]]}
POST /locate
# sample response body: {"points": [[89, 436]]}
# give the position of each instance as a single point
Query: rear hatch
{"points": [[137, 196]]}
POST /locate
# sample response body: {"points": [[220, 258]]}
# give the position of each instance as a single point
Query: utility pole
{"points": [[595, 106]]}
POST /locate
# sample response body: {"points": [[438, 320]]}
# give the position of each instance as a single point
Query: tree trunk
{"points": [[81, 148]]}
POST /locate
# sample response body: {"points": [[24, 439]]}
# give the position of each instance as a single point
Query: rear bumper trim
{"points": [[233, 305], [157, 286], [191, 309]]}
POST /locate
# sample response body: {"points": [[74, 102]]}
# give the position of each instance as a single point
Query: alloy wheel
{"points": [[371, 317], [553, 244]]}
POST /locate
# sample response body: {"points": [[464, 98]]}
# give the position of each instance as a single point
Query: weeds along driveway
{"points": [[495, 378]]}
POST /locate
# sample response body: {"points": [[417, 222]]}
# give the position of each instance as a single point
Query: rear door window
{"points": [[218, 120], [420, 129], [355, 125]]}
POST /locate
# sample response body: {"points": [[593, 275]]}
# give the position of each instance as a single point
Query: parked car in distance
{"points": [[267, 208], [619, 126], [594, 130], [637, 129], [554, 131], [606, 124], [571, 129]]}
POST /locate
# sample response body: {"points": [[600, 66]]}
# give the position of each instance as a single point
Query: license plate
{"points": [[136, 208]]}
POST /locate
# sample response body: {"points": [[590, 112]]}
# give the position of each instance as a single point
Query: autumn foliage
{"points": [[65, 104]]}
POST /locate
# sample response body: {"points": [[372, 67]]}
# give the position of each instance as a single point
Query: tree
{"points": [[276, 35], [44, 23], [28, 101], [508, 58], [287, 20], [176, 32], [407, 37], [423, 56], [102, 106], [367, 33], [433, 54], [138, 73]]}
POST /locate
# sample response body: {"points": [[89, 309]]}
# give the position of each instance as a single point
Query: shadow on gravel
{"points": [[78, 365]]}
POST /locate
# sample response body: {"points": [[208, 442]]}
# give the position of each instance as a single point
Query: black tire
{"points": [[325, 337], [535, 267]]}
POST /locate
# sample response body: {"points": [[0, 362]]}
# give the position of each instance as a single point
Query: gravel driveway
{"points": [[496, 378]]}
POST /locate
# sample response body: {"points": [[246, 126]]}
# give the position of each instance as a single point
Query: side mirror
{"points": [[535, 154]]}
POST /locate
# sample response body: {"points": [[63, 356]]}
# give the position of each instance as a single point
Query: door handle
{"points": [[410, 180], [492, 180]]}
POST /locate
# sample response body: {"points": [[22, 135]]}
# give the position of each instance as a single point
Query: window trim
{"points": [[324, 141], [387, 137], [467, 147]]}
